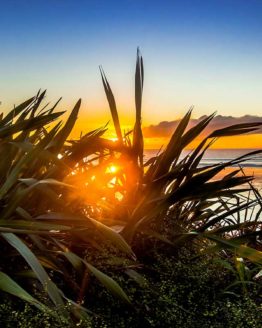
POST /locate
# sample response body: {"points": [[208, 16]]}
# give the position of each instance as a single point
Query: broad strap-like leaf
{"points": [[112, 105], [28, 124], [36, 266], [16, 111], [32, 225], [242, 250], [236, 129], [110, 284], [59, 140], [31, 155], [8, 285], [138, 142], [114, 237], [110, 235]]}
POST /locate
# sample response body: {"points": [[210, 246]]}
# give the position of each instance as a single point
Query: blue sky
{"points": [[202, 53]]}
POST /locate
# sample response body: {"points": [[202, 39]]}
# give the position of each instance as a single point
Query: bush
{"points": [[77, 213]]}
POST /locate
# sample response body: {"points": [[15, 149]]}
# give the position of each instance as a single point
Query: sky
{"points": [[203, 53]]}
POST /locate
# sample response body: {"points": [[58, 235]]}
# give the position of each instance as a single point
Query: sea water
{"points": [[251, 167]]}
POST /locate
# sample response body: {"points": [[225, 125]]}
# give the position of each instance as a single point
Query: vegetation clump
{"points": [[173, 291], [93, 236]]}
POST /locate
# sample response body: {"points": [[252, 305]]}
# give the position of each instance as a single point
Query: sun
{"points": [[112, 169], [114, 139]]}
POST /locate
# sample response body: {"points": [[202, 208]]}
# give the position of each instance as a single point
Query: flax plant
{"points": [[184, 193], [64, 201], [38, 221]]}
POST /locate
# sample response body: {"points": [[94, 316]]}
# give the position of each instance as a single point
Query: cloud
{"points": [[166, 128]]}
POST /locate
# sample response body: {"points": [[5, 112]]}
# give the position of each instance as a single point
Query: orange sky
{"points": [[244, 141], [90, 119], [87, 123]]}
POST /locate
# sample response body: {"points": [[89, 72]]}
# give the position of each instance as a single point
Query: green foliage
{"points": [[36, 207], [177, 291], [22, 315], [67, 218]]}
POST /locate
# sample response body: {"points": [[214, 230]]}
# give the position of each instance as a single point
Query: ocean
{"points": [[251, 167]]}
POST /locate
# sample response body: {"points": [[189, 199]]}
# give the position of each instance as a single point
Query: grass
{"points": [[81, 215]]}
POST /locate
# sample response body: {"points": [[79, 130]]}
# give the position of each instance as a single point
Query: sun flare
{"points": [[112, 169]]}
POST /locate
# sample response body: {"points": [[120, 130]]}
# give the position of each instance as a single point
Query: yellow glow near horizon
{"points": [[238, 142], [234, 142]]}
